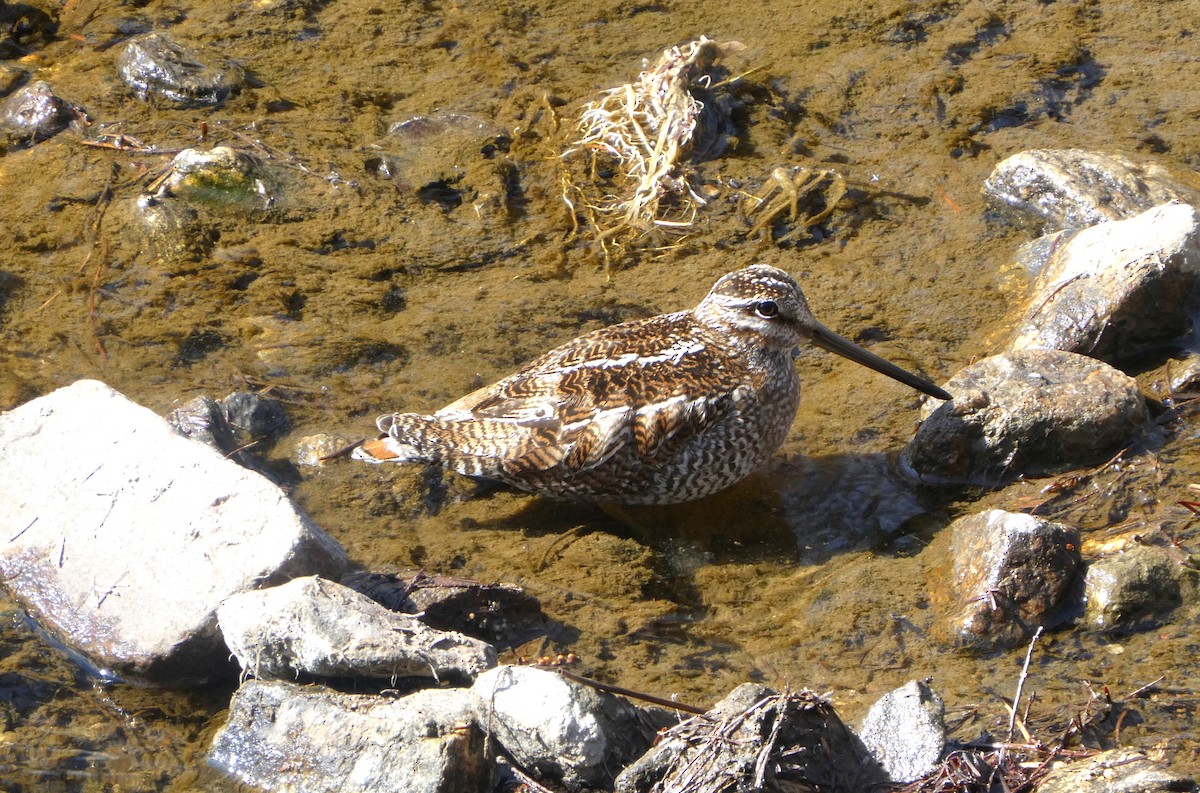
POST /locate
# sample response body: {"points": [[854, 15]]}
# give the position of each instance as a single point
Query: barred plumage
{"points": [[656, 411]]}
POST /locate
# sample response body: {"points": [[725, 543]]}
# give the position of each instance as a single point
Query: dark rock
{"points": [[1111, 289], [34, 113], [254, 416], [320, 628], [501, 614], [281, 736], [904, 731], [1027, 413], [1008, 574], [566, 732], [203, 420], [1114, 771], [1138, 586], [124, 548], [155, 65], [756, 740], [1074, 188]]}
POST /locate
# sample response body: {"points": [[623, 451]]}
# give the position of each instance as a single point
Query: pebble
{"points": [[1008, 573], [34, 114], [154, 65], [905, 732], [1131, 590]]}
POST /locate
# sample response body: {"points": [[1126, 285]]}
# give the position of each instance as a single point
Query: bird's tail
{"points": [[401, 442]]}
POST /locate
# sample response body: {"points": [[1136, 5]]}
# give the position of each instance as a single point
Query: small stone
{"points": [[155, 65], [1028, 413], [905, 732], [1075, 188], [280, 736], [1008, 574], [255, 417], [221, 177], [321, 628], [1139, 585], [566, 732], [312, 450], [34, 113]]}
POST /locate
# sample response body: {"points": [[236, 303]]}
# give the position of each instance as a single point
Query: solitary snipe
{"points": [[655, 411]]}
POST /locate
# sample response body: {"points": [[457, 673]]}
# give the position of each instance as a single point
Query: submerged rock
{"points": [[1140, 585], [221, 177], [35, 113], [1109, 289], [756, 740], [1075, 188], [1008, 574], [561, 730], [446, 158], [281, 736], [124, 548], [320, 628], [155, 65], [503, 614], [1026, 413], [905, 732]]}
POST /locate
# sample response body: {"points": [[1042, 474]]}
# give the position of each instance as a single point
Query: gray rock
{"points": [[1185, 375], [1027, 413], [1139, 585], [1114, 771], [285, 737], [155, 65], [316, 627], [1112, 288], [203, 420], [905, 731], [1074, 188], [1008, 573], [563, 731], [756, 741], [34, 113], [254, 416], [123, 548]]}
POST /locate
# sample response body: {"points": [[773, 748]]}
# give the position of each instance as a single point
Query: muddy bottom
{"points": [[363, 284]]}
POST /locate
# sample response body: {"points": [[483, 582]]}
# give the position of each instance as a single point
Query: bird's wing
{"points": [[579, 405]]}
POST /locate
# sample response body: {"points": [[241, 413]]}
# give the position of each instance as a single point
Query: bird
{"points": [[661, 410]]}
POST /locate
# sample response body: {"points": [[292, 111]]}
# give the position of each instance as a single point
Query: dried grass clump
{"points": [[641, 133]]}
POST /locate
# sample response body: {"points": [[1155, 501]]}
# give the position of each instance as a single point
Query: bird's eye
{"points": [[767, 309]]}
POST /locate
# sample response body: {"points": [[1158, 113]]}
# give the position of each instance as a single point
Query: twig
{"points": [[1012, 719], [625, 692]]}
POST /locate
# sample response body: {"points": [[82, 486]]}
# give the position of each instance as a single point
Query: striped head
{"points": [[760, 304]]}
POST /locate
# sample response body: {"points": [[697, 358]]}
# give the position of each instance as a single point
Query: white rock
{"points": [[123, 537], [285, 737], [1110, 288], [567, 732], [318, 627]]}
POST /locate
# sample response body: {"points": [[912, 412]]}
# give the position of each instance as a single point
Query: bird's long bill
{"points": [[825, 338]]}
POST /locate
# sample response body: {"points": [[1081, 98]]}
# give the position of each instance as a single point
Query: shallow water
{"points": [[355, 295]]}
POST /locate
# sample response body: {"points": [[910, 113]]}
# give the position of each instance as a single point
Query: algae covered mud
{"points": [[377, 215]]}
